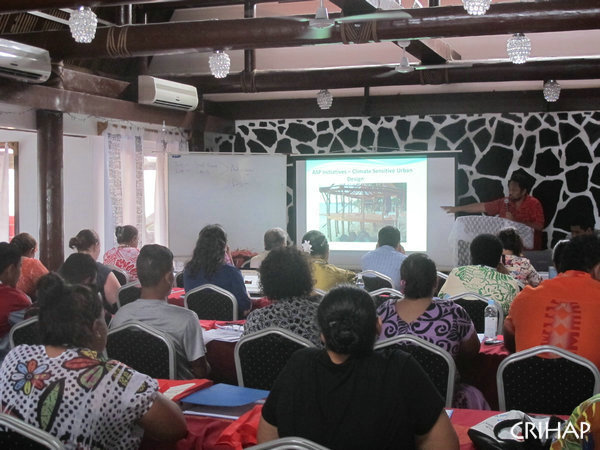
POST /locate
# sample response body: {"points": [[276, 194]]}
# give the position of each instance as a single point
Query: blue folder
{"points": [[225, 395]]}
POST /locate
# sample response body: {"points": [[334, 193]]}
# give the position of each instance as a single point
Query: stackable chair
{"points": [[434, 360], [381, 295], [375, 280], [17, 434], [546, 385], [120, 274], [288, 443], [260, 356], [441, 279], [179, 279], [129, 293], [143, 348], [211, 302], [25, 332], [475, 304]]}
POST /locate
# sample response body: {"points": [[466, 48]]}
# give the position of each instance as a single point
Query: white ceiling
{"points": [[544, 45]]}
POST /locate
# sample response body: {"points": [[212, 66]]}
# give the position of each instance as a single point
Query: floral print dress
{"points": [[124, 258], [87, 401]]}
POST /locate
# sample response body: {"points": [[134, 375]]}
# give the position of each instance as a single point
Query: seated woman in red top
{"points": [[31, 269], [349, 397], [125, 255]]}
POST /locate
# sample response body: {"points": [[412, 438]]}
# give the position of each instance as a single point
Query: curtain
{"points": [[125, 169], [4, 217]]}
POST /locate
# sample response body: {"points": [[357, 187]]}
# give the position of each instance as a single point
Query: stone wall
{"points": [[559, 151]]}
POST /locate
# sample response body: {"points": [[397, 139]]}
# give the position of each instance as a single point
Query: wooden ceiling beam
{"points": [[13, 6], [353, 77], [448, 21]]}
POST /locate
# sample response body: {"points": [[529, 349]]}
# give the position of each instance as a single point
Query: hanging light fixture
{"points": [[219, 63], [551, 90], [324, 99], [321, 19], [518, 48], [476, 7], [404, 66], [83, 23]]}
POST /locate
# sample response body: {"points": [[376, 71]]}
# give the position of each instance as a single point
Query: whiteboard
{"points": [[244, 193]]}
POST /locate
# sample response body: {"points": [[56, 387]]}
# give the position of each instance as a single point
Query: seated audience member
{"points": [[441, 322], [31, 269], [67, 388], [124, 256], [585, 425], [13, 302], [79, 268], [512, 258], [87, 241], [581, 224], [286, 281], [483, 276], [557, 253], [274, 238], [155, 273], [325, 275], [349, 397], [387, 257], [562, 311], [208, 266]]}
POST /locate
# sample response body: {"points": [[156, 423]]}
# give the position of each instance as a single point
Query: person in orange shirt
{"points": [[31, 269], [563, 311]]}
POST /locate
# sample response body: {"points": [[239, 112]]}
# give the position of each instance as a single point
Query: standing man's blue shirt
{"points": [[386, 260]]}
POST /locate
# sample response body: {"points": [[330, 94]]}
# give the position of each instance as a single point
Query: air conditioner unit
{"points": [[24, 62], [167, 94]]}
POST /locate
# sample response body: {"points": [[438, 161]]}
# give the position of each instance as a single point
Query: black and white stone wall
{"points": [[560, 151]]}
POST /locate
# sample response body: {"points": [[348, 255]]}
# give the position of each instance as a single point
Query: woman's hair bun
{"points": [[74, 242], [119, 232]]}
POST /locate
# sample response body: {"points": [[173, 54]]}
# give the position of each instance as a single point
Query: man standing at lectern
{"points": [[518, 206]]}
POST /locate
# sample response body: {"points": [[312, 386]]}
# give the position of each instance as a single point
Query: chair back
{"points": [[129, 293], [120, 274], [535, 384], [288, 443], [143, 348], [474, 304], [381, 295], [25, 332], [179, 279], [441, 279], [260, 356], [437, 363], [375, 280], [17, 434], [211, 302]]}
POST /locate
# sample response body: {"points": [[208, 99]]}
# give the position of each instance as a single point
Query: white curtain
{"points": [[167, 143], [125, 169], [4, 218]]}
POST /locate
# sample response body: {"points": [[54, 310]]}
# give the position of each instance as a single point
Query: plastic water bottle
{"points": [[490, 317], [360, 282]]}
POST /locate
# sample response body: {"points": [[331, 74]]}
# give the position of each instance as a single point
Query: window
{"points": [[9, 225], [149, 189]]}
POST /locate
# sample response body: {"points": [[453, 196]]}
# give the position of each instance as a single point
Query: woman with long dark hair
{"points": [[208, 266], [349, 397]]}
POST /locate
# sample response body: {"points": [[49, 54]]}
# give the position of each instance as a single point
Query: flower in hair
{"points": [[306, 246]]}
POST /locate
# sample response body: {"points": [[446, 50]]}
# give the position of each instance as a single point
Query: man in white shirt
{"points": [[155, 273], [388, 256], [274, 238]]}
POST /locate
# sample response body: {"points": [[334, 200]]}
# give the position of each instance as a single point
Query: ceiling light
{"points": [[83, 23], [477, 7], [321, 19], [404, 66], [551, 90], [219, 63], [518, 48], [324, 99]]}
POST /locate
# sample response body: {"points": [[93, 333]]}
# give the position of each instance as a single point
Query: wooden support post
{"points": [[50, 166]]}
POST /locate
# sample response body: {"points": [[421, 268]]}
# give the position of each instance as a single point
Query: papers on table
{"points": [[227, 333]]}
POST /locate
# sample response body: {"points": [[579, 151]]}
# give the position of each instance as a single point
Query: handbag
{"points": [[515, 430]]}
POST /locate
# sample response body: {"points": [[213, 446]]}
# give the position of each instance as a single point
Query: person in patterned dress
{"points": [[286, 280], [68, 389], [125, 255]]}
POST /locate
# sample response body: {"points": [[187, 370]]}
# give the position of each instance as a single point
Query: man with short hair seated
{"points": [[387, 256], [13, 301], [563, 311], [483, 276], [274, 238], [155, 273], [583, 224]]}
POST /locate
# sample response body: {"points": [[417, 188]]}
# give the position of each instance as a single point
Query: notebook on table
{"points": [[223, 400]]}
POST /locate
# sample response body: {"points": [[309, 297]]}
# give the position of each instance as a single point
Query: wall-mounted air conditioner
{"points": [[24, 62], [165, 93]]}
